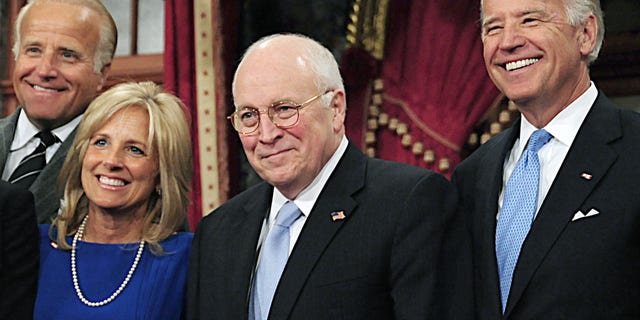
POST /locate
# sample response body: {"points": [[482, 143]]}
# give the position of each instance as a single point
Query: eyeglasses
{"points": [[284, 114]]}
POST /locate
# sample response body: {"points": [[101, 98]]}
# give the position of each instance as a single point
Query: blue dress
{"points": [[156, 289]]}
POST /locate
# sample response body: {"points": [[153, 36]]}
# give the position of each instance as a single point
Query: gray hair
{"points": [[108, 36], [321, 61], [577, 13]]}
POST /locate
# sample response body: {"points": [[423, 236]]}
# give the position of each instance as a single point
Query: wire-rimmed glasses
{"points": [[284, 114]]}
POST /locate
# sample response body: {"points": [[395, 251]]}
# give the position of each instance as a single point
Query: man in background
{"points": [[19, 243], [63, 51], [330, 233], [552, 203]]}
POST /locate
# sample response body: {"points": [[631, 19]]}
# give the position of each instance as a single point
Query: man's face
{"points": [[54, 77], [288, 159], [531, 52]]}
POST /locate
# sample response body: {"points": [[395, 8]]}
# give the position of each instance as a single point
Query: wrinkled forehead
{"points": [[491, 7], [63, 19], [61, 11]]}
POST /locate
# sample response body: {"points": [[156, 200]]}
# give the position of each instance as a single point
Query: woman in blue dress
{"points": [[113, 251]]}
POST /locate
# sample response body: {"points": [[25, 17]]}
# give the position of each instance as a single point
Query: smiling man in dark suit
{"points": [[363, 236], [554, 218], [19, 243], [61, 65]]}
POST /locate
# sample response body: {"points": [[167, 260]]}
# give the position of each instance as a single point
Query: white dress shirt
{"points": [[24, 141], [564, 128]]}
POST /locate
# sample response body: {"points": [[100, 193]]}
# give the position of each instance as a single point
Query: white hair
{"points": [[321, 61]]}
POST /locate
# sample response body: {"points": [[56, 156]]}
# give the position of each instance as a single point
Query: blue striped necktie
{"points": [[29, 168], [273, 258], [518, 210]]}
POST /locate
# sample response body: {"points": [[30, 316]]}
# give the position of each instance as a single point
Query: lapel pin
{"points": [[337, 215], [586, 176]]}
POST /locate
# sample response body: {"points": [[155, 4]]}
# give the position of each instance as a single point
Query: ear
{"points": [[104, 73], [339, 108], [587, 35]]}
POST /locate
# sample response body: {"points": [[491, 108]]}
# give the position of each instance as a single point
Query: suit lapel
{"points": [[320, 229], [45, 187], [488, 187], [590, 154], [7, 129]]}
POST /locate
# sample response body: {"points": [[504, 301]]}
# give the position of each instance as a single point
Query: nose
{"points": [[268, 132], [47, 66], [112, 160], [511, 38]]}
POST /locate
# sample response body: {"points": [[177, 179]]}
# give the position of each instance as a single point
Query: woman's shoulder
{"points": [[46, 233], [177, 242], [181, 237]]}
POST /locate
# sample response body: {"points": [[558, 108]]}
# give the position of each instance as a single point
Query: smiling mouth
{"points": [[43, 89], [515, 65], [274, 154], [112, 182]]}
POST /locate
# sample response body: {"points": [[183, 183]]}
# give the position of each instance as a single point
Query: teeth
{"points": [[520, 64], [111, 182], [39, 88]]}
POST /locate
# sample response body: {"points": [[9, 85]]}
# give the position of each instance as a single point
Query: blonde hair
{"points": [[169, 140], [107, 40]]}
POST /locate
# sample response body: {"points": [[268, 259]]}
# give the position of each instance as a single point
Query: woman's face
{"points": [[118, 173]]}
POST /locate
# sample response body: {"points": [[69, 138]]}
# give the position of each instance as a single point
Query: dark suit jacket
{"points": [[45, 188], [19, 246], [378, 263], [583, 269]]}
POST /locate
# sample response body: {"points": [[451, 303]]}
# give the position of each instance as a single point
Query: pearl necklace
{"points": [[74, 273]]}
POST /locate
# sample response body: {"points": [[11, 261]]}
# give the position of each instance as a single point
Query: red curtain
{"points": [[179, 78], [199, 74], [434, 81]]}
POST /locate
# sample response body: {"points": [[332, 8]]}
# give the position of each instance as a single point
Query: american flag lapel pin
{"points": [[586, 176], [337, 215]]}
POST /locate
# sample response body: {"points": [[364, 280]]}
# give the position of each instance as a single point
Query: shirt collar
{"points": [[565, 125], [26, 130]]}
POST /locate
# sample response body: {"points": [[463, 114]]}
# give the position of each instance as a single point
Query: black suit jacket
{"points": [[19, 252], [583, 269], [44, 188], [380, 262]]}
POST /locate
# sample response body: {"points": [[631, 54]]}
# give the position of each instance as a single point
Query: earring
{"points": [[158, 190]]}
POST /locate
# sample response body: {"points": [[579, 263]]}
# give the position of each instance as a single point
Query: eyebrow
{"points": [[30, 43], [68, 49], [274, 103], [101, 135], [486, 22], [527, 12], [521, 14]]}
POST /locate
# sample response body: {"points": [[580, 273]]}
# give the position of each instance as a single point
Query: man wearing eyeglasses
{"points": [[330, 233]]}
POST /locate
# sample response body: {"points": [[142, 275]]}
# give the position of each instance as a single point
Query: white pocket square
{"points": [[579, 215]]}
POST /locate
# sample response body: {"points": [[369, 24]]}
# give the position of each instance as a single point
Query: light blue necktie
{"points": [[273, 259], [518, 210]]}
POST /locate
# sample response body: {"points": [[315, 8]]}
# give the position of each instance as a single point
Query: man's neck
{"points": [[539, 112]]}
